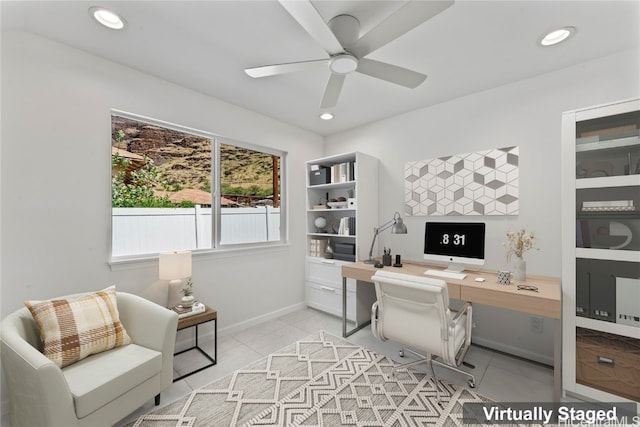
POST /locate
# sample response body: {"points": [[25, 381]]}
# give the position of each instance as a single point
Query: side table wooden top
{"points": [[208, 314]]}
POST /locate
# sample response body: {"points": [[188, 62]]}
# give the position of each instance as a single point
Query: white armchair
{"points": [[414, 312], [98, 390]]}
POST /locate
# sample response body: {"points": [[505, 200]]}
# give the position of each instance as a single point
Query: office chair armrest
{"points": [[466, 309], [375, 323]]}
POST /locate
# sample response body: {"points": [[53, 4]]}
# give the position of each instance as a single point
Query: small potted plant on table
{"points": [[187, 294]]}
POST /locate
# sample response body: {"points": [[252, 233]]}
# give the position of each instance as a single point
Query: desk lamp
{"points": [[174, 266], [397, 227]]}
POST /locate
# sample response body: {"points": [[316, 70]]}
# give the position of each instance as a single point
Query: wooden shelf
{"points": [[609, 327], [608, 181], [608, 254]]}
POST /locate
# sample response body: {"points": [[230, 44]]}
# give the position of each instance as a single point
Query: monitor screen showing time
{"points": [[454, 239]]}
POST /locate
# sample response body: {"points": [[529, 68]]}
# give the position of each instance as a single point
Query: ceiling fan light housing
{"points": [[343, 64]]}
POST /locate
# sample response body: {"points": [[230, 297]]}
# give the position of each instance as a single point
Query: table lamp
{"points": [[174, 266], [397, 227]]}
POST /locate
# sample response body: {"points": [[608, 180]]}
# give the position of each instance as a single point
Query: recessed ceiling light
{"points": [[107, 18], [326, 116], [556, 36]]}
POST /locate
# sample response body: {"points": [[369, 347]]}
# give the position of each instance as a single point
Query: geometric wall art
{"points": [[481, 183]]}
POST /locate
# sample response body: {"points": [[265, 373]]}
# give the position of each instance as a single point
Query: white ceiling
{"points": [[205, 46]]}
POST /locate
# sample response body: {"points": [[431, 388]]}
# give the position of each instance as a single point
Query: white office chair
{"points": [[414, 311]]}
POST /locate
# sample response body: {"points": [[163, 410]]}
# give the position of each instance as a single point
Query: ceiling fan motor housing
{"points": [[346, 28]]}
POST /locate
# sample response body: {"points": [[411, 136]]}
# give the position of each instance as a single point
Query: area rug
{"points": [[321, 380]]}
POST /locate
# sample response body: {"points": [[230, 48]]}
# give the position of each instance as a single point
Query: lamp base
{"points": [[370, 261], [174, 296]]}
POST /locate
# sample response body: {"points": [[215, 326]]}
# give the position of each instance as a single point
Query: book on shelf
{"points": [[318, 246], [342, 172], [608, 206], [196, 308]]}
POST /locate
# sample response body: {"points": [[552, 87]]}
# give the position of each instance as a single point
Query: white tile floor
{"points": [[498, 376]]}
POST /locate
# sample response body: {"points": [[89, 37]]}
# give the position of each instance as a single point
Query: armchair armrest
{"points": [[150, 325], [39, 392]]}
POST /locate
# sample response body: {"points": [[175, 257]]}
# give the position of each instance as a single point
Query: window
{"points": [[164, 178]]}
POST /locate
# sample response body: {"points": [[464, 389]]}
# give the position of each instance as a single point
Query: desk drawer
{"points": [[608, 362]]}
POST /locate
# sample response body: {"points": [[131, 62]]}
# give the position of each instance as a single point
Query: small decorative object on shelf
{"points": [[328, 250], [320, 224], [518, 242], [187, 294], [192, 310]]}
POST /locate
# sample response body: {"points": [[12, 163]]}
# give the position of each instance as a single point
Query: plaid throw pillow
{"points": [[74, 328]]}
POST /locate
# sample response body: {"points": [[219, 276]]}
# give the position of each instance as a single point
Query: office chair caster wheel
{"points": [[401, 352], [471, 383]]}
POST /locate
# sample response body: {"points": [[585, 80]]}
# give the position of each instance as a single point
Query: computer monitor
{"points": [[456, 243]]}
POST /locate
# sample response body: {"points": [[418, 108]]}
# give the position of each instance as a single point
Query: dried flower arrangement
{"points": [[518, 242]]}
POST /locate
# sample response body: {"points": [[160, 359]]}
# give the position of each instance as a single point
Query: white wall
{"points": [[56, 105], [525, 113]]}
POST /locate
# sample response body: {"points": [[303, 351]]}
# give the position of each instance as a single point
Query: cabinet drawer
{"points": [[327, 272], [329, 299], [324, 270], [608, 362]]}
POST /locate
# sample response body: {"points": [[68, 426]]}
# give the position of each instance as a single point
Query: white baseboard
{"points": [[516, 351], [186, 341]]}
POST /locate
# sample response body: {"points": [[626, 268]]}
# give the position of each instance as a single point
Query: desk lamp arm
{"points": [[377, 231]]}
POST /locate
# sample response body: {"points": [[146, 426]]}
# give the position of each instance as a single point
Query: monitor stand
{"points": [[454, 268], [453, 271]]}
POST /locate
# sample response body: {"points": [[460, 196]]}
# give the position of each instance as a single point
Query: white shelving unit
{"points": [[354, 178], [601, 252]]}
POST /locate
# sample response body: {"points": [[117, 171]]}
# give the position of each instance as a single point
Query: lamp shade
{"points": [[174, 265], [398, 226]]}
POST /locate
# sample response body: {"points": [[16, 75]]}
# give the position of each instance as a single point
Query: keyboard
{"points": [[447, 274]]}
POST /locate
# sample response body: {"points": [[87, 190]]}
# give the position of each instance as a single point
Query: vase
{"points": [[187, 301], [519, 269]]}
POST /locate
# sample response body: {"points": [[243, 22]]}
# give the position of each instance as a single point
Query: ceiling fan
{"points": [[347, 52]]}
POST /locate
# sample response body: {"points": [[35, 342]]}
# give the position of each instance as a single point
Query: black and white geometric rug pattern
{"points": [[321, 380]]}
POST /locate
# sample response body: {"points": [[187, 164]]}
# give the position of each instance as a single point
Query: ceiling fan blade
{"points": [[291, 67], [400, 22], [391, 73], [332, 91], [309, 18]]}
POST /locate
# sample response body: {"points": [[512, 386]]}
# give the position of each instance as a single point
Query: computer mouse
{"points": [[378, 265], [479, 279]]}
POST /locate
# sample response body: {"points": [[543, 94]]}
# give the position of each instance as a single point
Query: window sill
{"points": [[140, 261]]}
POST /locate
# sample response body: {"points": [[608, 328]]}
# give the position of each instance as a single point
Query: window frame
{"points": [[216, 209]]}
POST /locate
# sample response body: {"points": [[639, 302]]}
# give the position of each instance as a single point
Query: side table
{"points": [[197, 319]]}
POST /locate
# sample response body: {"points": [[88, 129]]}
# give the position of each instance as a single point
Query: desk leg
{"points": [[557, 360], [346, 333], [344, 307]]}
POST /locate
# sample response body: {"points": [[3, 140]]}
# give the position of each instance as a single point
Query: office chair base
{"points": [[471, 382]]}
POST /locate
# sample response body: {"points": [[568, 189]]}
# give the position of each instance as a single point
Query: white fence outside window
{"points": [[138, 231]]}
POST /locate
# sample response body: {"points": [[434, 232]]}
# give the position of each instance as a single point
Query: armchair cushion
{"points": [[76, 327], [104, 377]]}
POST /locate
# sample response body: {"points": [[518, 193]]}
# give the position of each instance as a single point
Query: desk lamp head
{"points": [[397, 227]]}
